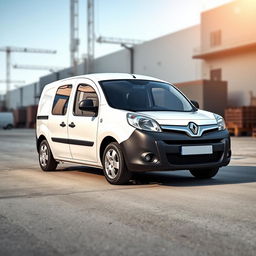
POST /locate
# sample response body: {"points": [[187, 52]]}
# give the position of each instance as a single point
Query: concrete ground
{"points": [[74, 211]]}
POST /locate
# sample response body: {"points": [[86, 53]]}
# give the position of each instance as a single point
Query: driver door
{"points": [[83, 125]]}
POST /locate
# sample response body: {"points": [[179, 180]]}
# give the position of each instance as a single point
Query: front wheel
{"points": [[204, 173], [46, 160], [114, 167]]}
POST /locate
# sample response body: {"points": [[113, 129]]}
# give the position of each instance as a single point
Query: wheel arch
{"points": [[106, 141], [39, 140]]}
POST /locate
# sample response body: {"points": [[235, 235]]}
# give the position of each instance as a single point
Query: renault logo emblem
{"points": [[193, 128]]}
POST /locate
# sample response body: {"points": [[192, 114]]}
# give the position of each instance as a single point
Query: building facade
{"points": [[221, 48], [228, 48]]}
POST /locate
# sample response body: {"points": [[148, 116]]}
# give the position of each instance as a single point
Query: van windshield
{"points": [[144, 95]]}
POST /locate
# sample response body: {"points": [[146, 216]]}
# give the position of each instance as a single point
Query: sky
{"points": [[45, 24]]}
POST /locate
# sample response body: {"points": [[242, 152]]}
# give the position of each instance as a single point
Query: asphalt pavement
{"points": [[74, 211]]}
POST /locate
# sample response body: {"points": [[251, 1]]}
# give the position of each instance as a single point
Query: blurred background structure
{"points": [[212, 62]]}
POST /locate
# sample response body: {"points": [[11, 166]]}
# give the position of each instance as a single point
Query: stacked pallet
{"points": [[241, 120]]}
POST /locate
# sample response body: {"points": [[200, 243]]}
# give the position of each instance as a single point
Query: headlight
{"points": [[143, 123], [220, 122]]}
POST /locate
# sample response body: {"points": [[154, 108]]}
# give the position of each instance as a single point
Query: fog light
{"points": [[149, 157]]}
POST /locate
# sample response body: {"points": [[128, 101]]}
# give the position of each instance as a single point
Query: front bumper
{"points": [[166, 147]]}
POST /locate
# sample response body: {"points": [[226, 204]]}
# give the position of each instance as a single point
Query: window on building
{"points": [[215, 74], [61, 99], [85, 92], [215, 38]]}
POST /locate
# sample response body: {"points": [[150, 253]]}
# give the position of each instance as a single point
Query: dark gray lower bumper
{"points": [[166, 147]]}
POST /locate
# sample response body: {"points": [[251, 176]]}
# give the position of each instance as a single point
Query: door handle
{"points": [[62, 124], [72, 125]]}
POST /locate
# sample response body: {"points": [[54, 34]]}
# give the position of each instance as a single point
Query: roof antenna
{"points": [[133, 76]]}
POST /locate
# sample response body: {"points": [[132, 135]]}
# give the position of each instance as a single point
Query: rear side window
{"points": [[85, 92], [60, 103]]}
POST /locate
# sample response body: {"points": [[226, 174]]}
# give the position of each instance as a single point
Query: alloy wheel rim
{"points": [[43, 156], [112, 163]]}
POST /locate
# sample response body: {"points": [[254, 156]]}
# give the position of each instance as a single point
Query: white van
{"points": [[127, 123], [6, 120]]}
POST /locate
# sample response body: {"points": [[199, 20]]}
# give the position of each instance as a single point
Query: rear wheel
{"points": [[204, 173], [8, 127], [114, 167], [46, 160]]}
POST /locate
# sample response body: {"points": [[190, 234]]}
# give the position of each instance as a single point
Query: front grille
{"points": [[191, 142], [209, 131], [202, 129], [173, 131], [178, 159]]}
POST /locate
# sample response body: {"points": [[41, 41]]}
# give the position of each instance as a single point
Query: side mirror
{"points": [[87, 105], [195, 103]]}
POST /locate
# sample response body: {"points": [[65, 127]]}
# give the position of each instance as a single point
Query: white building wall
{"points": [[235, 20], [115, 62], [28, 95], [14, 99], [170, 57], [23, 96], [237, 23], [239, 70]]}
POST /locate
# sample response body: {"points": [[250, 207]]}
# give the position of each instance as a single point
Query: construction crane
{"points": [[36, 67], [13, 81], [74, 35], [90, 36], [8, 50], [120, 41], [126, 43]]}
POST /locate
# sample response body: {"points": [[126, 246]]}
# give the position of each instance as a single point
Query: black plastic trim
{"points": [[73, 142], [155, 142], [60, 140], [42, 117], [81, 142]]}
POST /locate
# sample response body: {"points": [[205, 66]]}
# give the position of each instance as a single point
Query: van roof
{"points": [[106, 76]]}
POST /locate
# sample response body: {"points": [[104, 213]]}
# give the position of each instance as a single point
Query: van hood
{"points": [[200, 117]]}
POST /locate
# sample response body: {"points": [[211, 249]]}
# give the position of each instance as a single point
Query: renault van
{"points": [[127, 123]]}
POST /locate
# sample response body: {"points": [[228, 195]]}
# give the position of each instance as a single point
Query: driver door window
{"points": [[85, 92]]}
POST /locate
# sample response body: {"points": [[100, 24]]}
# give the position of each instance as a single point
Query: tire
{"points": [[46, 160], [9, 126], [204, 173], [114, 166]]}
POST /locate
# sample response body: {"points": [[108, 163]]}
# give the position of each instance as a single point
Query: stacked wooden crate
{"points": [[241, 120]]}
